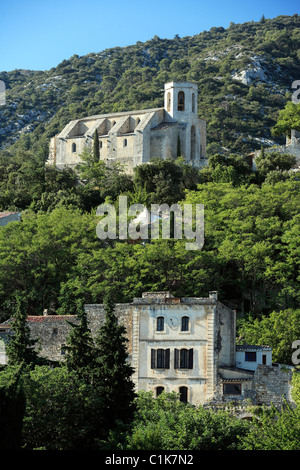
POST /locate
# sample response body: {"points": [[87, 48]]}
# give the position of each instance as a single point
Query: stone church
{"points": [[183, 345], [134, 137]]}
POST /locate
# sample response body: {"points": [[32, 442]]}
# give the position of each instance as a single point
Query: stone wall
{"points": [[273, 384]]}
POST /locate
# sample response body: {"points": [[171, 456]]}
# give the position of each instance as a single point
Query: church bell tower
{"points": [[181, 100]]}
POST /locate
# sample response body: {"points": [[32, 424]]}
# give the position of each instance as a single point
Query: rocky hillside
{"points": [[244, 74]]}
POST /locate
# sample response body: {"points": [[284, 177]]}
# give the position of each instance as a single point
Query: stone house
{"points": [[134, 137], [186, 345]]}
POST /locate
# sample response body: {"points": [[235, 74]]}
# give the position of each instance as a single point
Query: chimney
{"points": [[213, 294]]}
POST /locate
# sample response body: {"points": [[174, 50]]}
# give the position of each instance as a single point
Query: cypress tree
{"points": [[21, 348], [80, 346], [114, 371], [96, 148], [12, 408]]}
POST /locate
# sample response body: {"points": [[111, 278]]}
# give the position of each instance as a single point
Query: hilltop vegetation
{"points": [[244, 75]]}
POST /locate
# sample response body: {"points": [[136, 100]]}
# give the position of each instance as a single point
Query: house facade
{"points": [[132, 138]]}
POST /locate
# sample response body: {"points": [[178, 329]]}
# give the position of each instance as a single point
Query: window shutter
{"points": [[167, 359], [160, 359], [191, 357], [153, 358], [176, 358]]}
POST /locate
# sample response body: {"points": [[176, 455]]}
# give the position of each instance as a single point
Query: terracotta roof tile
{"points": [[6, 214], [48, 318]]}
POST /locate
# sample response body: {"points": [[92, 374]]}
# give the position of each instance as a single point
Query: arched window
{"points": [[193, 103], [160, 358], [158, 391], [185, 324], [181, 101], [169, 102], [125, 143], [183, 358], [193, 142], [183, 392], [73, 147], [160, 324]]}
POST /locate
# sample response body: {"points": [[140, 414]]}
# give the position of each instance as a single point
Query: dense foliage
{"points": [[272, 330], [167, 424]]}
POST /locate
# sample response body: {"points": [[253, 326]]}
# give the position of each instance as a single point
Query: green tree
{"points": [[269, 162], [165, 423], [162, 179], [62, 412], [272, 330], [296, 388], [21, 348], [80, 356], [288, 119], [274, 430], [113, 371], [37, 253], [12, 408]]}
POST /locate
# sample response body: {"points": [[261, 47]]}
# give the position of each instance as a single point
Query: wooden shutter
{"points": [[160, 359], [176, 358], [153, 356], [191, 358], [167, 359]]}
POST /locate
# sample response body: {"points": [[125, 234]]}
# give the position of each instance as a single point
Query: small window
{"points": [[183, 394], [125, 143], [232, 389], [185, 324], [63, 350], [159, 391], [160, 324], [250, 356], [193, 103], [160, 358], [181, 101], [100, 144], [54, 331], [73, 147]]}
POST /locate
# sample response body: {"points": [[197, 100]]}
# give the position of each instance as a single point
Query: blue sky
{"points": [[38, 35]]}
